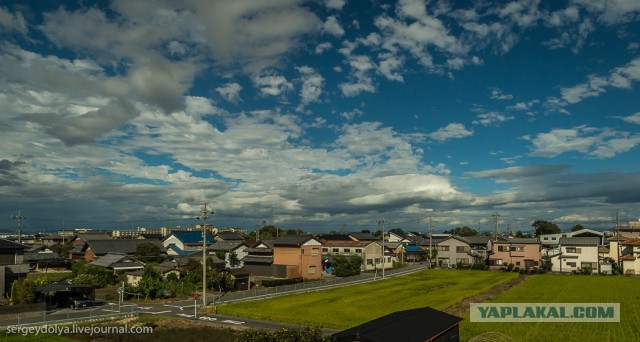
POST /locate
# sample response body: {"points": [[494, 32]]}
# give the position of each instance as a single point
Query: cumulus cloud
{"points": [[272, 84], [12, 22], [490, 119], [593, 142], [335, 4], [451, 131], [312, 83], [497, 94], [230, 92], [634, 118], [333, 27]]}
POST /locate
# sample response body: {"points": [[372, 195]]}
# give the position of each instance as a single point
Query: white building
{"points": [[576, 253]]}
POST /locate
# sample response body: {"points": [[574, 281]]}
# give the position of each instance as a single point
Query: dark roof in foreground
{"points": [[10, 245], [102, 247], [419, 324]]}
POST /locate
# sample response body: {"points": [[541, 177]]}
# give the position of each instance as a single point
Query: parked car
{"points": [[79, 302]]}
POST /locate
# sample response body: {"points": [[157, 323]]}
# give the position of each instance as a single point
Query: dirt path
{"points": [[463, 306]]}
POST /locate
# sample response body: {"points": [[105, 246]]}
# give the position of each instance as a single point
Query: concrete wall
{"points": [[306, 261]]}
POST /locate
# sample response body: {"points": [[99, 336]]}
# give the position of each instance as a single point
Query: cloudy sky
{"points": [[313, 114]]}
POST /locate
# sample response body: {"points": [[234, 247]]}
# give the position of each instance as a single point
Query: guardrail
{"points": [[262, 293], [66, 315]]}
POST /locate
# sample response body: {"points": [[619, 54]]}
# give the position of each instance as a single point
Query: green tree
{"points": [[462, 231], [88, 274], [148, 252], [545, 227], [346, 266], [152, 284], [520, 234], [577, 227], [27, 291], [233, 259]]}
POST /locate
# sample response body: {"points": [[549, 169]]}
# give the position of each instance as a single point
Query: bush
{"points": [[346, 267], [523, 271], [307, 334], [516, 269], [280, 282], [479, 266], [509, 267]]}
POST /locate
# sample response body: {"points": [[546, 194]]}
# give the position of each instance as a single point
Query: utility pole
{"points": [[205, 215], [430, 241], [341, 229], [381, 222], [618, 241], [495, 220], [19, 219]]}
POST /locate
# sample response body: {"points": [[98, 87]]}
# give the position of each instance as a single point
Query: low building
{"points": [[521, 252], [12, 264], [576, 253], [552, 240], [98, 248], [454, 251], [229, 247], [630, 256], [301, 255], [369, 251], [181, 243]]}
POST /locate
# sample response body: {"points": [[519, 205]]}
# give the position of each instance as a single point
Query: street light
{"points": [[204, 217]]}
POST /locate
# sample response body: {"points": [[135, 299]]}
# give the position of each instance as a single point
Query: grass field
{"points": [[345, 307], [569, 289]]}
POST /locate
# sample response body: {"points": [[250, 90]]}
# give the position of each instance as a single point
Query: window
{"points": [[593, 265], [347, 250], [369, 261], [314, 251], [463, 261], [553, 238], [325, 250], [571, 264], [335, 250], [504, 248], [358, 250], [546, 238], [518, 248], [443, 248], [497, 262], [312, 269], [529, 263], [377, 260], [517, 263], [462, 249]]}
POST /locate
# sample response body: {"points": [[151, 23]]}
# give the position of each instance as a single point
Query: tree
{"points": [[14, 292], [233, 260], [577, 227], [152, 284], [345, 267], [148, 252], [462, 231], [545, 227], [520, 234]]}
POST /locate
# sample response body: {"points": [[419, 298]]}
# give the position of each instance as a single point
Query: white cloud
{"points": [[272, 84], [634, 118], [335, 4], [492, 118], [497, 94], [312, 84], [612, 11], [12, 22], [322, 47], [360, 77], [230, 92], [451, 131], [352, 115], [333, 27], [594, 142]]}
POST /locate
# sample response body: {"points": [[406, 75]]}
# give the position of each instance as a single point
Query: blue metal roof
{"points": [[412, 248], [179, 251], [191, 237]]}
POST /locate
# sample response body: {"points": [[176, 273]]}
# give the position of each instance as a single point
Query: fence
{"points": [[259, 293], [100, 312]]}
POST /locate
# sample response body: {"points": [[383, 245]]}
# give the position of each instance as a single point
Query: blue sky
{"points": [[319, 113]]}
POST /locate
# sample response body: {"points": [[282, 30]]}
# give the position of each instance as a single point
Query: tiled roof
{"points": [[363, 236], [334, 237], [292, 240], [10, 245], [628, 257], [102, 247], [579, 241], [225, 246], [522, 241], [631, 242], [108, 259], [349, 243], [229, 236], [478, 239]]}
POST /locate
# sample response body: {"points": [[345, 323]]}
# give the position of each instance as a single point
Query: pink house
{"points": [[519, 252]]}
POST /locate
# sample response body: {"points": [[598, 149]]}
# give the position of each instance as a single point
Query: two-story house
{"points": [[12, 264], [301, 254], [229, 247], [521, 252], [630, 256], [454, 250], [576, 253], [369, 251], [181, 243]]}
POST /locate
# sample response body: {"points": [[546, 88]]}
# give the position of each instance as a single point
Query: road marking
{"points": [[144, 307], [154, 313], [185, 315], [110, 310], [232, 322], [208, 318]]}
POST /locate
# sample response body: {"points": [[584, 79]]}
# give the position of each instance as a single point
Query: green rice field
{"points": [[344, 307]]}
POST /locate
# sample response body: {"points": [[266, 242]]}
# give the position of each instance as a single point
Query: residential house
{"points": [[615, 245], [369, 251], [97, 248], [182, 243], [521, 252], [259, 261], [454, 250], [332, 237], [630, 256], [397, 236], [229, 247], [119, 262], [301, 255], [50, 240], [481, 246], [12, 264], [632, 230], [552, 240], [39, 257], [228, 236], [576, 253], [81, 238], [363, 237]]}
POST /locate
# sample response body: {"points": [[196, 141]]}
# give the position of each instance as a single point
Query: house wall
{"points": [[89, 255], [530, 255], [306, 261], [631, 266], [173, 240], [448, 254], [368, 253], [573, 261], [241, 252]]}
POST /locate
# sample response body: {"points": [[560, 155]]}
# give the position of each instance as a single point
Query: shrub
{"points": [[509, 267], [479, 266], [516, 269], [307, 334]]}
